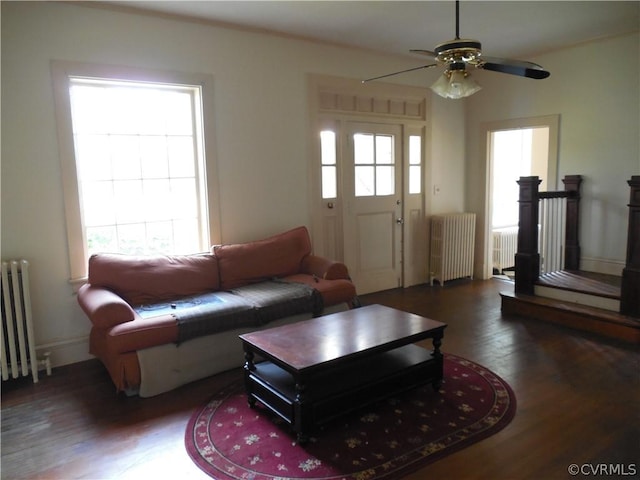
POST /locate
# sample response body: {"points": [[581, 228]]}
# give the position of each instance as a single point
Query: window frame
{"points": [[62, 72]]}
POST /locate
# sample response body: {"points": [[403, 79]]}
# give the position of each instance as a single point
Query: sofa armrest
{"points": [[103, 307], [324, 268]]}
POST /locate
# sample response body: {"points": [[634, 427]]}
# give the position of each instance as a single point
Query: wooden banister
{"points": [[630, 289], [528, 256], [572, 235]]}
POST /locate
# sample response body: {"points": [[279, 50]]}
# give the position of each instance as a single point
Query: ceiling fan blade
{"points": [[513, 67], [427, 53], [398, 73]]}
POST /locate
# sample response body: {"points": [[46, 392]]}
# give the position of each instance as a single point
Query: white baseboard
{"points": [[602, 265], [67, 351]]}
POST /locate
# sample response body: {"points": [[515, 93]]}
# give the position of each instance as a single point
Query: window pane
{"points": [[179, 114], [415, 150], [152, 106], [129, 201], [328, 161], [183, 198], [415, 174], [365, 181], [153, 157], [93, 159], [132, 239], [102, 239], [181, 159], [124, 99], [363, 152], [185, 235], [157, 202], [90, 109], [329, 184], [159, 237], [384, 149], [385, 180], [125, 156], [98, 203], [328, 147]]}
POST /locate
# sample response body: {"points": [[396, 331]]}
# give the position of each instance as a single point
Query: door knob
{"points": [[400, 221]]}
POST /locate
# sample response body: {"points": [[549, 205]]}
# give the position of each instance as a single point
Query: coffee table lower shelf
{"points": [[312, 400]]}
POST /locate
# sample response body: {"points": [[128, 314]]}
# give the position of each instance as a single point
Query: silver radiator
{"points": [[17, 341]]}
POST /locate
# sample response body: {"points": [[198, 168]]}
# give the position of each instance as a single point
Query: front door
{"points": [[372, 221]]}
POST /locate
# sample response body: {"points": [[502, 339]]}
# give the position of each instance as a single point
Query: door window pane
{"points": [[385, 180], [384, 149], [365, 181], [363, 149], [378, 151]]}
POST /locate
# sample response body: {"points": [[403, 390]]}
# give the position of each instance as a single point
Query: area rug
{"points": [[229, 440]]}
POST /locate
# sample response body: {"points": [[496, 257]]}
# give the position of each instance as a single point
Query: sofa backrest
{"points": [[151, 279], [276, 256]]}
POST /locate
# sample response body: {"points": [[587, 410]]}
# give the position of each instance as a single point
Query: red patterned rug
{"points": [[228, 440]]}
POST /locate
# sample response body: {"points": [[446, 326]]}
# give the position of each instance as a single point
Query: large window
{"points": [[139, 167]]}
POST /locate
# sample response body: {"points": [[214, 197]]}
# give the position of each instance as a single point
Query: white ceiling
{"points": [[510, 29]]}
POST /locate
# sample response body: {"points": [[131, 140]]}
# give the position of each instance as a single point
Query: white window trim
{"points": [[61, 72]]}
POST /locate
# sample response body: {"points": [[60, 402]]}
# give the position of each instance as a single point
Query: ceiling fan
{"points": [[458, 54]]}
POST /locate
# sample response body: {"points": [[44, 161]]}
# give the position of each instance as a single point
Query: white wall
{"points": [[260, 104], [596, 90], [447, 189]]}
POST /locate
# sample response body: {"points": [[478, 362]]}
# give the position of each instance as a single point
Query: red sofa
{"points": [[134, 304]]}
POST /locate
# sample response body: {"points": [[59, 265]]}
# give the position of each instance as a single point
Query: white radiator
{"points": [[17, 342], [505, 246], [452, 246]]}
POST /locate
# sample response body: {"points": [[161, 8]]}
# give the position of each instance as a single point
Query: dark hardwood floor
{"points": [[578, 403]]}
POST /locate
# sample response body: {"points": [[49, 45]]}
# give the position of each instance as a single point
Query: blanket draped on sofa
{"points": [[250, 305], [278, 299]]}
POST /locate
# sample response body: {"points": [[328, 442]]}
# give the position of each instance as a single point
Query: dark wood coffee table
{"points": [[316, 370]]}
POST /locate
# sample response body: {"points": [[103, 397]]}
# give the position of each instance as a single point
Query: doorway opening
{"points": [[518, 148], [368, 172]]}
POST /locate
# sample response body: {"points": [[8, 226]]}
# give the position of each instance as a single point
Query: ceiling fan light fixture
{"points": [[458, 54], [455, 84]]}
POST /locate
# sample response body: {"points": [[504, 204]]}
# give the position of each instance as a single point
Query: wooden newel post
{"points": [[527, 256], [572, 234], [630, 291]]}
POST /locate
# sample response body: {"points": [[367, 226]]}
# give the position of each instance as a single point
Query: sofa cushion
{"points": [[277, 256], [152, 279]]}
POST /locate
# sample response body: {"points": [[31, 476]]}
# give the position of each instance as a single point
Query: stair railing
{"points": [[527, 261], [630, 288]]}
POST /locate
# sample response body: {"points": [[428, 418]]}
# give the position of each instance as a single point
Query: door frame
{"points": [[550, 121], [334, 101]]}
